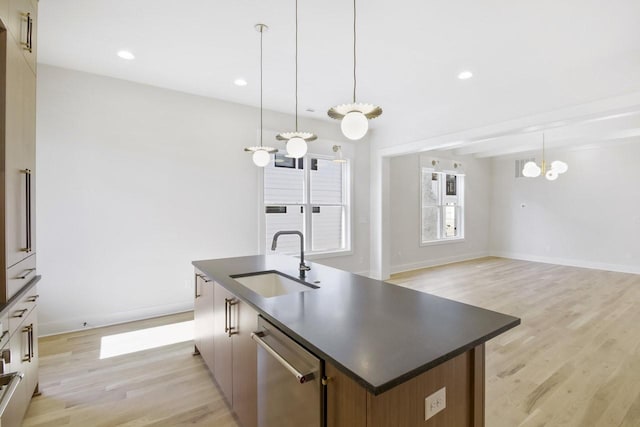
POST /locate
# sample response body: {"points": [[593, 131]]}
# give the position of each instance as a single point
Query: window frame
{"points": [[347, 203], [460, 190]]}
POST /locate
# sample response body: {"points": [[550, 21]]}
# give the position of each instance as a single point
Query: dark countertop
{"points": [[377, 333]]}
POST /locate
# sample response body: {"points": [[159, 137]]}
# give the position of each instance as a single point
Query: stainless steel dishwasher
{"points": [[290, 391]]}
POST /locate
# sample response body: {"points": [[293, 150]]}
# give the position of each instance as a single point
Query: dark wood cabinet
{"points": [[203, 318], [222, 341], [233, 353]]}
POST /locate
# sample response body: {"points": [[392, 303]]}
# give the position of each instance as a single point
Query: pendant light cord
{"points": [[261, 32], [354, 51], [296, 65]]}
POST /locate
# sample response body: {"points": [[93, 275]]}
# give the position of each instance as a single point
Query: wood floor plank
{"points": [[574, 361]]}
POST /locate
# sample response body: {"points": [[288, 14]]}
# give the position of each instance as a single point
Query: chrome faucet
{"points": [[303, 268]]}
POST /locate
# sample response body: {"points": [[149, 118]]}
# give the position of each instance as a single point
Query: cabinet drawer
{"points": [[19, 275], [4, 330], [22, 309]]}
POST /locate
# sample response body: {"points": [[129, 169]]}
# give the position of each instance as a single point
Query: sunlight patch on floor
{"points": [[144, 339]]}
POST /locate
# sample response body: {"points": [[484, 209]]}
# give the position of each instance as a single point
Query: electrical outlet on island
{"points": [[435, 403]]}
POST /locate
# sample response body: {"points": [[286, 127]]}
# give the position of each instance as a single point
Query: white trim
{"points": [[97, 321], [620, 268], [434, 262], [442, 241]]}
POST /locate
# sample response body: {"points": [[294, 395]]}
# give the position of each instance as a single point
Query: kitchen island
{"points": [[385, 348]]}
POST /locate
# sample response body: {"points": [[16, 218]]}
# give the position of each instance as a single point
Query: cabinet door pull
{"points": [[27, 174], [226, 317], [4, 334], [22, 312], [33, 298], [197, 288], [25, 273], [28, 43], [29, 331], [203, 277]]}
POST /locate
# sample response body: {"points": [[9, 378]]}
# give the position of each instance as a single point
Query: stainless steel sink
{"points": [[272, 284]]}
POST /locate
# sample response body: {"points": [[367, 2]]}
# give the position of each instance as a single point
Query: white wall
{"points": [[588, 217], [134, 182], [406, 252]]}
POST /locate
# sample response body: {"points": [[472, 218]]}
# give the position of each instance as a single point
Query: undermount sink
{"points": [[271, 284]]}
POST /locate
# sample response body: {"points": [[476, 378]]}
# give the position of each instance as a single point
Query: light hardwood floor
{"points": [[165, 387], [574, 360]]}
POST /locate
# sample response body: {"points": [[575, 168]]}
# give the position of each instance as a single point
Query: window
{"points": [[442, 208], [310, 195]]}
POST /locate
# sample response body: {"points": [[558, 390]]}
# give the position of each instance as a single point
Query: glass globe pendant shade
{"points": [[559, 166], [551, 175], [261, 158], [531, 170], [296, 148], [354, 125]]}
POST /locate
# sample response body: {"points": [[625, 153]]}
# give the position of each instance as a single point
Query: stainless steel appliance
{"points": [[290, 391]]}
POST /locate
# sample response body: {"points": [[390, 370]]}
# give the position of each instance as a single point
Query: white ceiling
{"points": [[528, 57]]}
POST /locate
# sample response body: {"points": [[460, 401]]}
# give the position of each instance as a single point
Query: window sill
{"points": [[442, 242], [321, 255]]}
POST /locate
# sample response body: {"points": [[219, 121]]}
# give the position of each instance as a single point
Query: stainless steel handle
{"points": [[28, 43], [226, 318], [29, 331], [302, 378], [22, 312], [27, 174], [33, 298], [26, 273], [197, 289], [203, 277], [13, 385]]}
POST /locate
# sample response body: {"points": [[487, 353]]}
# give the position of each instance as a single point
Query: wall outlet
{"points": [[435, 403]]}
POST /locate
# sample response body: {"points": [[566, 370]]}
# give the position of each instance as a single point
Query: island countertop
{"points": [[379, 334]]}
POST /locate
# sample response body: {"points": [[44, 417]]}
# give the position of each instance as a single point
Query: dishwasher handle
{"points": [[302, 378], [13, 385]]}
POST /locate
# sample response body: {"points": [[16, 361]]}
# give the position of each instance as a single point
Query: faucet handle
{"points": [[304, 267]]}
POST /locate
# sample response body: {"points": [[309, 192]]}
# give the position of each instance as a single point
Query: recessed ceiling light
{"points": [[125, 54], [240, 82], [464, 75]]}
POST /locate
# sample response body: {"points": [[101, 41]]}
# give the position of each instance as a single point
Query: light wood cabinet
{"points": [[18, 35], [234, 353], [17, 137], [21, 19], [20, 354]]}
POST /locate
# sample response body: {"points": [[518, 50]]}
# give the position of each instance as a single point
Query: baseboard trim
{"points": [[395, 269], [100, 320], [619, 268]]}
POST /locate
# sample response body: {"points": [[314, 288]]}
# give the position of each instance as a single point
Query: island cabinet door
{"points": [[346, 400], [203, 318], [223, 302], [245, 365]]}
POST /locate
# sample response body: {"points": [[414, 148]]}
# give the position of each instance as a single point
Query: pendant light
{"points": [[355, 116], [338, 157], [261, 154], [532, 170], [296, 141]]}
